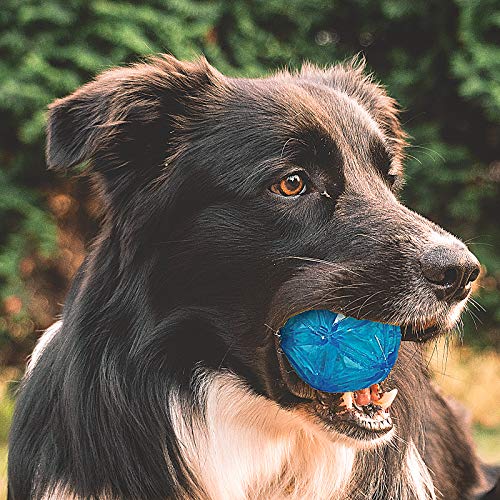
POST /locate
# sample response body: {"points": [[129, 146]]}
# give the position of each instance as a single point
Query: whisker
{"points": [[468, 240], [272, 329], [414, 158], [427, 151], [477, 304], [320, 261], [473, 316]]}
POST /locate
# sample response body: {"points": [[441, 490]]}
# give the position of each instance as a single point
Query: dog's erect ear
{"points": [[124, 119]]}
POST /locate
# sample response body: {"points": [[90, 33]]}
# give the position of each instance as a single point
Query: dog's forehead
{"points": [[265, 121], [298, 110]]}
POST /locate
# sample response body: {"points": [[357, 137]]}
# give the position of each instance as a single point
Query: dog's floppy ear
{"points": [[122, 122], [350, 77]]}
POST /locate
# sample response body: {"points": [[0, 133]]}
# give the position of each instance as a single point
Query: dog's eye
{"points": [[291, 185]]}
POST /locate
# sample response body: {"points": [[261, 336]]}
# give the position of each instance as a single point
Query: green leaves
{"points": [[477, 62], [439, 59]]}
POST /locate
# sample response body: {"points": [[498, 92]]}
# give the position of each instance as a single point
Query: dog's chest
{"points": [[247, 447]]}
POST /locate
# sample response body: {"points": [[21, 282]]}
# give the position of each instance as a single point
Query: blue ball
{"points": [[334, 353]]}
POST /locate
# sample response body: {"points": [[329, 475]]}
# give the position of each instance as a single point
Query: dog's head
{"points": [[234, 204]]}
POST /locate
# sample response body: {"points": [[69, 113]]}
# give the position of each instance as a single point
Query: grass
{"points": [[3, 471], [469, 376], [487, 439], [473, 378]]}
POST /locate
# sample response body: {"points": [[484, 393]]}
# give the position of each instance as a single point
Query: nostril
{"points": [[450, 269], [443, 277], [450, 277], [440, 269], [473, 276]]}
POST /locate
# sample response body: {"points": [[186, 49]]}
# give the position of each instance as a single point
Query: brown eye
{"points": [[292, 185]]}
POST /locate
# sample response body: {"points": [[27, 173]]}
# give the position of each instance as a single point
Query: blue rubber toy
{"points": [[335, 353]]}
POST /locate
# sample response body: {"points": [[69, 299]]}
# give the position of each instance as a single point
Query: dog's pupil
{"points": [[293, 183]]}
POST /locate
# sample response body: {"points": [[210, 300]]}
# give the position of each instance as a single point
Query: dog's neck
{"points": [[245, 446], [248, 447]]}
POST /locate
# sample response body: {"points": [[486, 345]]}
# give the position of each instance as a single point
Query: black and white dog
{"points": [[229, 206]]}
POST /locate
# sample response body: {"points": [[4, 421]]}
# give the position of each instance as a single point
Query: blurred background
{"points": [[439, 59]]}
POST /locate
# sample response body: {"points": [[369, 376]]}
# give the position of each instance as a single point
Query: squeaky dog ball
{"points": [[335, 353]]}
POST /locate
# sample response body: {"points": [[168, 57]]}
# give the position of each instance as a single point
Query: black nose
{"points": [[451, 270]]}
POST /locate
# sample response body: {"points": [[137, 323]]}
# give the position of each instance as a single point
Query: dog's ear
{"points": [[122, 123], [351, 78]]}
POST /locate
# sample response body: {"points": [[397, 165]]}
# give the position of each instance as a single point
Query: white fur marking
{"points": [[42, 343], [252, 448], [418, 474], [455, 313]]}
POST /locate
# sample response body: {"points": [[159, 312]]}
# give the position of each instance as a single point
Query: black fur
{"points": [[196, 256]]}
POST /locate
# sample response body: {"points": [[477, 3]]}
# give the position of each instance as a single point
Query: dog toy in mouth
{"points": [[335, 353]]}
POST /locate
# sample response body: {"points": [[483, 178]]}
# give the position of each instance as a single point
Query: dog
{"points": [[230, 205]]}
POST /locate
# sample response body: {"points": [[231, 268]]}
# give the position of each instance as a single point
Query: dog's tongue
{"points": [[364, 396], [375, 395]]}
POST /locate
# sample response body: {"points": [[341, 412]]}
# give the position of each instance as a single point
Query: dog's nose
{"points": [[451, 270]]}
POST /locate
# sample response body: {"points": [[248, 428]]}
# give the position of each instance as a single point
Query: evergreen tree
{"points": [[438, 58]]}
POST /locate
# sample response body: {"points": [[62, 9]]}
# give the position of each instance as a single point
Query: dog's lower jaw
{"points": [[248, 447]]}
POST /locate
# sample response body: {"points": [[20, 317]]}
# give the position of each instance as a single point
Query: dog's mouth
{"points": [[420, 334], [363, 415]]}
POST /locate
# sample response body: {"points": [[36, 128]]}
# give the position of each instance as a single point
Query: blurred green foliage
{"points": [[438, 58]]}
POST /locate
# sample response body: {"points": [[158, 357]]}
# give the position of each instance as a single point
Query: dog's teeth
{"points": [[387, 398], [347, 399]]}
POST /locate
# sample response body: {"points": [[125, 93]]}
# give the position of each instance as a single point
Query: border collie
{"points": [[230, 205]]}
